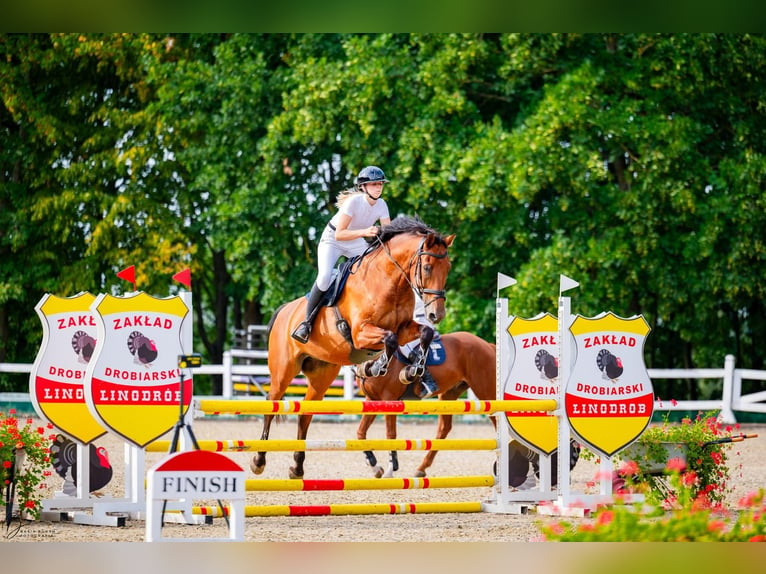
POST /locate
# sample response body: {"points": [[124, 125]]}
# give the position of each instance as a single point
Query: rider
{"points": [[345, 234]]}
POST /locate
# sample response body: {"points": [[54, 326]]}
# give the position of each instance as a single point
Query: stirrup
{"points": [[302, 332], [428, 386]]}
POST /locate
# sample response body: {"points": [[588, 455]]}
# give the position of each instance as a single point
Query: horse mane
{"points": [[407, 224]]}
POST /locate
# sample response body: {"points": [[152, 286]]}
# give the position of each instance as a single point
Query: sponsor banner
{"points": [[56, 382], [534, 375], [133, 383], [609, 399]]}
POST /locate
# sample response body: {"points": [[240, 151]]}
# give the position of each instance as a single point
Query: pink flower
{"points": [[7, 464], [628, 468], [673, 402], [675, 465], [689, 478], [758, 538], [605, 517], [716, 526], [750, 500]]}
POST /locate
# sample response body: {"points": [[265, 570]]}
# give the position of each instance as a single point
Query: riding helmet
{"points": [[370, 173]]}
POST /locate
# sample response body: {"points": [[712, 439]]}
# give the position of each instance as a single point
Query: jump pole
{"points": [[284, 445], [250, 407], [348, 509]]}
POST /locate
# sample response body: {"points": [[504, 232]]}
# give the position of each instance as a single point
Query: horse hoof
{"points": [[294, 474], [378, 471], [256, 468], [420, 474]]}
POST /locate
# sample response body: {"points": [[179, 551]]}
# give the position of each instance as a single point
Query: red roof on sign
{"points": [[199, 460]]}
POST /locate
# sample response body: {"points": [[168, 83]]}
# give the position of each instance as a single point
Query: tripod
{"points": [[186, 362]]}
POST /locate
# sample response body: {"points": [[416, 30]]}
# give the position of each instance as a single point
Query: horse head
{"points": [[427, 261]]}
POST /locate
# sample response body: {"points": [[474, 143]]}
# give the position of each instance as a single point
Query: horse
{"points": [[469, 363], [372, 316]]}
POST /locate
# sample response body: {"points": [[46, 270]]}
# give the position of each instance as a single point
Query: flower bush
{"points": [[692, 518], [700, 443], [30, 478], [703, 442]]}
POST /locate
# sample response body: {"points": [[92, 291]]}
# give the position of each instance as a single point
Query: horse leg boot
{"points": [[303, 330]]}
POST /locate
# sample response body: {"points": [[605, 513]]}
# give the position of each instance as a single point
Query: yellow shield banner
{"points": [[609, 398], [56, 382], [133, 382], [534, 376]]}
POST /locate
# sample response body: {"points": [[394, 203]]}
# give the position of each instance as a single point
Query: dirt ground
{"points": [[747, 461]]}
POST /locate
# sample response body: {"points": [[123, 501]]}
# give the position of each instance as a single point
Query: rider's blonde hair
{"points": [[344, 195]]}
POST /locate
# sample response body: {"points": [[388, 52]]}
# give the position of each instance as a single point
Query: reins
{"points": [[437, 293]]}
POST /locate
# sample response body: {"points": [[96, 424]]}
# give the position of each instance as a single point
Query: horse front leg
{"points": [[361, 434], [258, 463], [379, 366], [299, 456], [414, 372]]}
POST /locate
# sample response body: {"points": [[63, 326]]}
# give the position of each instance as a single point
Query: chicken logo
{"points": [[609, 365], [83, 345], [547, 364], [142, 348], [64, 461]]}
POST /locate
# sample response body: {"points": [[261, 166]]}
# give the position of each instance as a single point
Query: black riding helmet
{"points": [[369, 174]]}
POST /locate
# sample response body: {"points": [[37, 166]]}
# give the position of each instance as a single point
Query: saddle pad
{"points": [[436, 353]]}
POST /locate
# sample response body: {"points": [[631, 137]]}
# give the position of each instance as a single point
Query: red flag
{"points": [[128, 274], [184, 277]]}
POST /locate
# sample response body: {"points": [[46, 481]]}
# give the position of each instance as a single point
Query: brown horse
{"points": [[371, 318], [469, 363]]}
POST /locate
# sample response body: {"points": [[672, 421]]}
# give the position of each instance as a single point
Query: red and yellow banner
{"points": [[609, 399], [56, 382], [533, 376], [134, 383]]}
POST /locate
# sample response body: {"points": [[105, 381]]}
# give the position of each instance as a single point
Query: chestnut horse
{"points": [[370, 319], [469, 363]]}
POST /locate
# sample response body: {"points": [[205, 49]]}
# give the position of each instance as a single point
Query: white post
{"points": [[348, 383], [228, 389], [729, 390], [565, 354]]}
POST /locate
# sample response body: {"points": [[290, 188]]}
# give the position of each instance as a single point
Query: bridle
{"points": [[416, 259]]}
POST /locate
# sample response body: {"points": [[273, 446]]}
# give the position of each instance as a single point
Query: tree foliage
{"points": [[633, 163]]}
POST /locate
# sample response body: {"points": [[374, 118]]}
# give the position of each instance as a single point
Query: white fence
{"points": [[731, 399]]}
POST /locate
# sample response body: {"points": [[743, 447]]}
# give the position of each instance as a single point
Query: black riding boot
{"points": [[428, 386], [303, 330]]}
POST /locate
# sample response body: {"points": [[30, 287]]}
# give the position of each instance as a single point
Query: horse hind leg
{"points": [[393, 462], [299, 456], [258, 463], [361, 434]]}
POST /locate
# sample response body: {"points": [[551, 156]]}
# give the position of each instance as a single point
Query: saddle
{"points": [[340, 275]]}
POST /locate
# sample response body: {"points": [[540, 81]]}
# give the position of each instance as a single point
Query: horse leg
{"points": [[443, 429], [319, 377], [393, 462], [361, 434], [379, 366], [299, 456], [412, 373], [258, 463]]}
